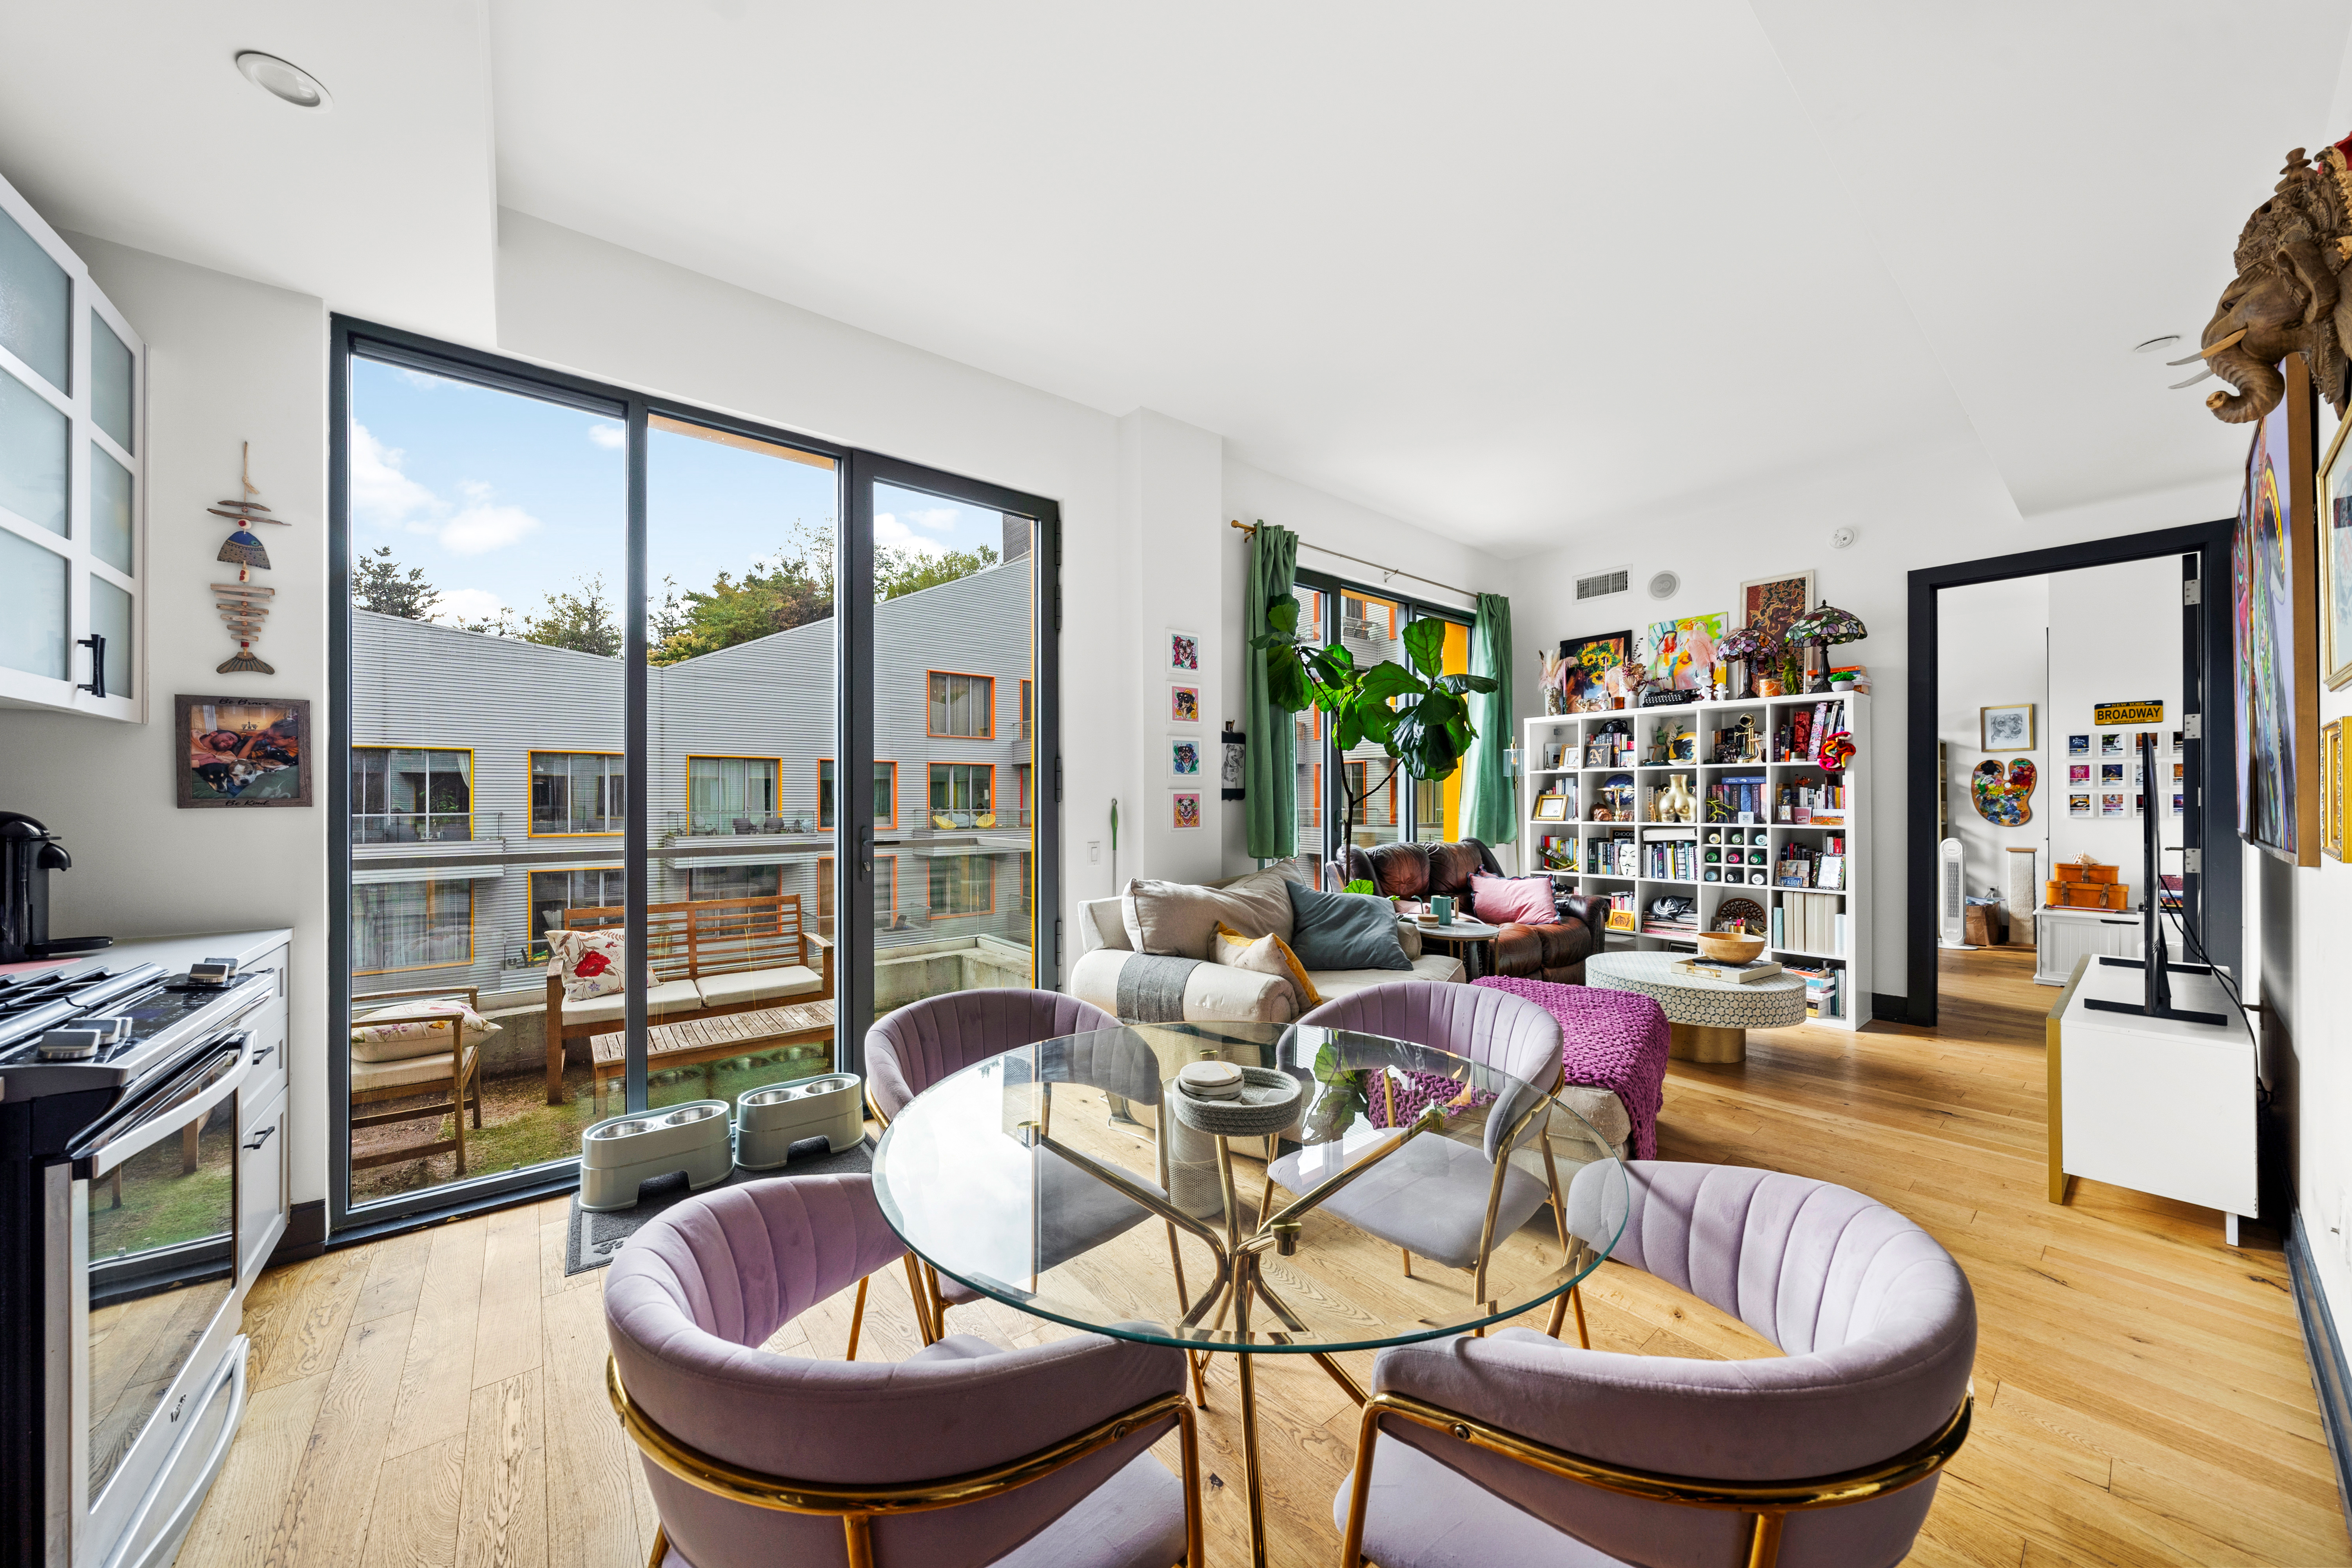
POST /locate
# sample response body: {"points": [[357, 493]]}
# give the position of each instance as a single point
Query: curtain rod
{"points": [[1392, 571]]}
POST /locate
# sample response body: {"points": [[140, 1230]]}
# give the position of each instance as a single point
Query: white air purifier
{"points": [[621, 1153], [1951, 902], [769, 1121]]}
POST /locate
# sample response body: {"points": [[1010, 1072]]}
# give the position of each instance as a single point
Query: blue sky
{"points": [[503, 498]]}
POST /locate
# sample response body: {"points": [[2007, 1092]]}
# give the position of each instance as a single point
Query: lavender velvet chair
{"points": [[916, 1047], [1430, 1199], [1478, 1450], [857, 1444]]}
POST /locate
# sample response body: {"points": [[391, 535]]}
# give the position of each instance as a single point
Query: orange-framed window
{"points": [[576, 793], [1020, 790], [411, 794], [962, 885], [886, 794], [552, 893], [957, 706], [731, 794], [1027, 719], [398, 926], [962, 790]]}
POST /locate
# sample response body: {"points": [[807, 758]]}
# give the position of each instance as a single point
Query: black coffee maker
{"points": [[28, 853]]}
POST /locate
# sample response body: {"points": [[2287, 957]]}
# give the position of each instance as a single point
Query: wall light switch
{"points": [[1094, 851]]}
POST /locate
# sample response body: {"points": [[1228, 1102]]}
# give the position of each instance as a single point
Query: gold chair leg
{"points": [[939, 1301], [1407, 1254], [661, 1546], [1576, 1294], [1368, 1434], [1764, 1545], [922, 1300], [1196, 1361], [857, 1318], [1189, 1442]]}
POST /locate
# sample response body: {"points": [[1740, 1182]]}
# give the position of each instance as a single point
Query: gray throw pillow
{"points": [[1344, 931]]}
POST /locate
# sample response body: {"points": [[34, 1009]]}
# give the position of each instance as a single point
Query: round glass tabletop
{"points": [[1060, 1179]]}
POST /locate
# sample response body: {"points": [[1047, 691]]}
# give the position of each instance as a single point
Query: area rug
{"points": [[591, 1239]]}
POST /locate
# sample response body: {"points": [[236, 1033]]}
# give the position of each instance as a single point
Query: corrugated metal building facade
{"points": [[455, 850]]}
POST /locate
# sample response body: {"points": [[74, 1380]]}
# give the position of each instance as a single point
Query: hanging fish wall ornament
{"points": [[245, 604]]}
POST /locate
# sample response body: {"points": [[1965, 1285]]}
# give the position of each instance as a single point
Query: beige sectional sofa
{"points": [[1107, 955]]}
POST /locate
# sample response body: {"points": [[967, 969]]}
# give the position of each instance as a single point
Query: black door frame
{"points": [[854, 668], [2208, 765]]}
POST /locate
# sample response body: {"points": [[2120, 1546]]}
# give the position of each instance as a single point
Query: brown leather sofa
{"points": [[1555, 953]]}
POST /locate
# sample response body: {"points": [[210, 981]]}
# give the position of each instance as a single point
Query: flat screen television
{"points": [[2154, 962]]}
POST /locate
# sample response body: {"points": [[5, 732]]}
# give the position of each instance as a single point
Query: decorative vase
{"points": [[1766, 686]]}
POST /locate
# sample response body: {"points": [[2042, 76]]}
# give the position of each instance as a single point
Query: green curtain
{"points": [[1488, 809], [1269, 766]]}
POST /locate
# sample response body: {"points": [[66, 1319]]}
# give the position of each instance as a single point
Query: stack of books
{"points": [[1746, 974], [1825, 990], [1809, 922]]}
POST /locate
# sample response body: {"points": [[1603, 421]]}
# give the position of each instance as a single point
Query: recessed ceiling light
{"points": [[2153, 345], [288, 82]]}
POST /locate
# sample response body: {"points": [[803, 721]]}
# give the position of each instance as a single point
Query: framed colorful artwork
{"points": [[1182, 650], [2111, 745], [1184, 810], [2331, 791], [2006, 727], [2274, 616], [1680, 653], [1775, 603], [1602, 654], [242, 750], [1184, 704], [2078, 774], [2078, 806], [2111, 805], [2078, 745], [1184, 761], [2336, 562]]}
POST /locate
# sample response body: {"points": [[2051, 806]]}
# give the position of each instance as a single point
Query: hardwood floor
{"points": [[2142, 1398]]}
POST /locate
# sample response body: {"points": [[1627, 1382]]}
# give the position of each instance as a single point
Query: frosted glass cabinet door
{"points": [[34, 292], [111, 372], [110, 617], [33, 438], [110, 514], [32, 608]]}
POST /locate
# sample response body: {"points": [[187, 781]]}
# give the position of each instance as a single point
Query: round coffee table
{"points": [[1710, 1018]]}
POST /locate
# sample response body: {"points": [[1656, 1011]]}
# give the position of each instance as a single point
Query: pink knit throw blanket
{"points": [[1614, 1040]]}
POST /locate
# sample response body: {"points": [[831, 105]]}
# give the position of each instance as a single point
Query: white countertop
{"points": [[174, 952]]}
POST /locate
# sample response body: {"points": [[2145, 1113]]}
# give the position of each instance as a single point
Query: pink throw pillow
{"points": [[1507, 900]]}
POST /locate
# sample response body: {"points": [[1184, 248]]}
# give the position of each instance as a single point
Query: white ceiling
{"points": [[1513, 270]]}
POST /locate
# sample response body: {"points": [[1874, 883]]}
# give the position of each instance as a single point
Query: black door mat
{"points": [[591, 1239]]}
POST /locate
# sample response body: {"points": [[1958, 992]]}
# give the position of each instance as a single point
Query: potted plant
{"points": [[1417, 715]]}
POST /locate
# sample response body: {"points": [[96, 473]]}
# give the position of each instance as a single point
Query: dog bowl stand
{"points": [[621, 1153], [770, 1120]]}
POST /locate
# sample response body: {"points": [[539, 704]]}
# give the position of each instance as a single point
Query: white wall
{"points": [[228, 361], [2115, 637], [1911, 507], [1989, 653]]}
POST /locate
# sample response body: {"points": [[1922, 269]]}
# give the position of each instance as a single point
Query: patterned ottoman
{"points": [[1711, 1017], [1614, 1040]]}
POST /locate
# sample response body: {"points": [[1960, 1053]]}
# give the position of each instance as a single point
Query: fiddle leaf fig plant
{"points": [[1415, 713]]}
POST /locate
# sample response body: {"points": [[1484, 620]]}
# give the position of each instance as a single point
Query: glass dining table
{"points": [[1412, 1193]]}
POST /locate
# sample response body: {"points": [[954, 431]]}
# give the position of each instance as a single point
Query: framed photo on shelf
{"points": [[2111, 745], [2111, 805], [2078, 806], [1551, 808], [1775, 603], [242, 750], [1622, 919], [1182, 652], [2006, 727], [1183, 704]]}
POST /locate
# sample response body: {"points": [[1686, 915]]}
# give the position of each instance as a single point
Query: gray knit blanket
{"points": [[1151, 988]]}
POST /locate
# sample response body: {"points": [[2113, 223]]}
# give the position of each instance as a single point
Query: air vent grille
{"points": [[1602, 582]]}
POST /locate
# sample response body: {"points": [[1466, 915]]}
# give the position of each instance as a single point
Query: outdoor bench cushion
{"points": [[670, 996], [756, 986]]}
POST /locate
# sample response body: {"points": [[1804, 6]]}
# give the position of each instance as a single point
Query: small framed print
{"points": [[1623, 919], [2111, 805], [1184, 810], [1184, 761], [1551, 808], [2139, 804], [243, 750], [2078, 774], [2111, 745], [2078, 745], [2176, 742], [2110, 774], [2078, 806], [1182, 652], [2007, 728], [1183, 704]]}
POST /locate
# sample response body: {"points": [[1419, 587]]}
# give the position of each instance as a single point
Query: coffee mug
{"points": [[1443, 907]]}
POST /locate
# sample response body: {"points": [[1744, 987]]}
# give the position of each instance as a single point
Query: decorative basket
{"points": [[1268, 1104]]}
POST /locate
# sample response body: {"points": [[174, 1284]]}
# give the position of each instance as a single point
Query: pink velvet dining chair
{"points": [[963, 1455], [1515, 1448], [910, 1049]]}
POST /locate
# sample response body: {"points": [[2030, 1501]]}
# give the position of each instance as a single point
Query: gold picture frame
{"points": [[2331, 791], [1998, 727], [1551, 808], [2333, 490], [1624, 920]]}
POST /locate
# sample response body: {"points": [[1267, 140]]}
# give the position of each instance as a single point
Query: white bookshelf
{"points": [[1586, 785]]}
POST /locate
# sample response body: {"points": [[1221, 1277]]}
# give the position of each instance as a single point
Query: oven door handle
{"points": [[156, 1115], [183, 1507]]}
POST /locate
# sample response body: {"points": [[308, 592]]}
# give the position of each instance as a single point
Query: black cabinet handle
{"points": [[262, 1055], [262, 1137]]}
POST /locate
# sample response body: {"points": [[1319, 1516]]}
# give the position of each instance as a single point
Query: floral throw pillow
{"points": [[588, 963]]}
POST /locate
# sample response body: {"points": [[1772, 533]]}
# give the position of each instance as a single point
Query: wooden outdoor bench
{"points": [[706, 958], [705, 1042]]}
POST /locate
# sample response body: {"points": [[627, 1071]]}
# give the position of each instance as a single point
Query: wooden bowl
{"points": [[1728, 946]]}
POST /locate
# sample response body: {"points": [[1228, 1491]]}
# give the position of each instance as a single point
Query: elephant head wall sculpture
{"points": [[2290, 294]]}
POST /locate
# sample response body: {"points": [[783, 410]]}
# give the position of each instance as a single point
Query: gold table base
{"points": [[1704, 1043]]}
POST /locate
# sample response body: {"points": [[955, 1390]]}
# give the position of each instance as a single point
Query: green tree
{"points": [[791, 589], [898, 571], [582, 621], [380, 585]]}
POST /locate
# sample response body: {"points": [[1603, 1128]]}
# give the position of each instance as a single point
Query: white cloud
{"points": [[467, 604], [380, 493], [610, 436], [482, 526], [938, 517], [888, 530]]}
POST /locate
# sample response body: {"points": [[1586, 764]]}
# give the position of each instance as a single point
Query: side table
{"points": [[1473, 941], [1709, 1018]]}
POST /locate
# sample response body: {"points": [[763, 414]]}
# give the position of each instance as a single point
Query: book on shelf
{"points": [[1746, 974], [1824, 990], [1799, 739]]}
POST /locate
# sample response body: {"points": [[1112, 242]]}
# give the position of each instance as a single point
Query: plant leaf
{"points": [[1425, 641], [1385, 681]]}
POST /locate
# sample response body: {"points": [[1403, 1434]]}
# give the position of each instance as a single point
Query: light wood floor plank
{"points": [[507, 1339], [239, 1518], [414, 1521], [588, 1458], [503, 1520], [325, 1521], [437, 1380]]}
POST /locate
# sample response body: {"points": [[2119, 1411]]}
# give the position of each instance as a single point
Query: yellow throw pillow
{"points": [[1266, 954]]}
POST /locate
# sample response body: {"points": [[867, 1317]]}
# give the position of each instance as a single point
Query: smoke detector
{"points": [[1665, 586]]}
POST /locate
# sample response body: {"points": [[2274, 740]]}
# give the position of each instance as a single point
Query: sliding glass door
{"points": [[602, 667]]}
